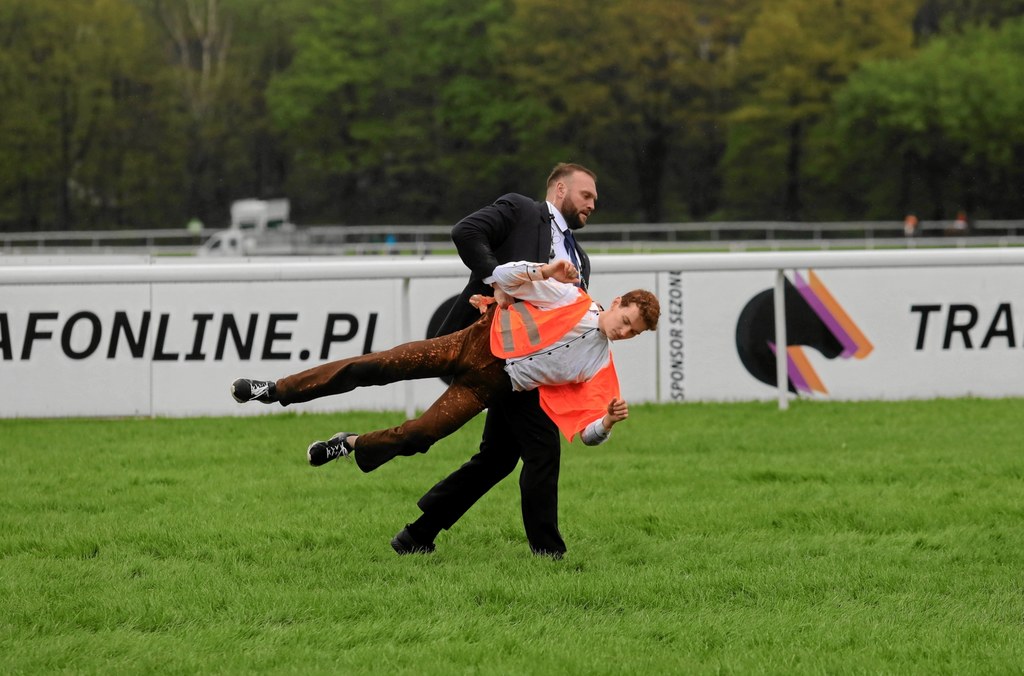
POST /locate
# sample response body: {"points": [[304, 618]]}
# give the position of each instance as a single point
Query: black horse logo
{"points": [[813, 319]]}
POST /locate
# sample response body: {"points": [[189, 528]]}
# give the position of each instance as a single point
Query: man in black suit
{"points": [[514, 228]]}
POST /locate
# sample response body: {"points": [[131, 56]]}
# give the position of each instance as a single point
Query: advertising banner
{"points": [[173, 349], [852, 334]]}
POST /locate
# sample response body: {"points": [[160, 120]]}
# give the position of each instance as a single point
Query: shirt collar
{"points": [[559, 218]]}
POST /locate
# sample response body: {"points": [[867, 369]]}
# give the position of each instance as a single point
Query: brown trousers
{"points": [[478, 378]]}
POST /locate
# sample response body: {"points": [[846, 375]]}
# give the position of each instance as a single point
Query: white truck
{"points": [[258, 227]]}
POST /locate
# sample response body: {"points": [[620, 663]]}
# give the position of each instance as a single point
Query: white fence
{"points": [[253, 270], [601, 238], [95, 301]]}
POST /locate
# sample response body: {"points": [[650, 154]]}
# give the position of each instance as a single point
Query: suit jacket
{"points": [[514, 228]]}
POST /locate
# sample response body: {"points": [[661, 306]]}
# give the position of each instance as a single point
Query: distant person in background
{"points": [[910, 225], [960, 225]]}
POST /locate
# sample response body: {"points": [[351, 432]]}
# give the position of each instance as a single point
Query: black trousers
{"points": [[515, 428]]}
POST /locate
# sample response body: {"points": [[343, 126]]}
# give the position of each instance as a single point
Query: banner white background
{"points": [[879, 302], [70, 369]]}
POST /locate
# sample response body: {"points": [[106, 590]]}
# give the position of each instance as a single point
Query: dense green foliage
{"points": [[874, 538], [146, 113], [940, 116]]}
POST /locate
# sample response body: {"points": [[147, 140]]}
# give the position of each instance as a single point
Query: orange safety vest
{"points": [[575, 405], [523, 329]]}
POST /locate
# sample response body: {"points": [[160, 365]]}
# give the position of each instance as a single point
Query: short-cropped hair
{"points": [[563, 169]]}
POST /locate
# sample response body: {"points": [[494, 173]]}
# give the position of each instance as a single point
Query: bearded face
{"points": [[580, 199], [572, 215]]}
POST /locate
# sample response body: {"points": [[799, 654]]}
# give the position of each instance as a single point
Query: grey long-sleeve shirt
{"points": [[574, 358]]}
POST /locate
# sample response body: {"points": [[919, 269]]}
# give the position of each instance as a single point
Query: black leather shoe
{"points": [[322, 452], [405, 543], [246, 389]]}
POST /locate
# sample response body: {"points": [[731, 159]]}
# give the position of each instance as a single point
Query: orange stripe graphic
{"points": [[796, 353], [864, 346]]}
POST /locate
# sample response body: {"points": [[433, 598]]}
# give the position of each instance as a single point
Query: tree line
{"points": [[149, 113]]}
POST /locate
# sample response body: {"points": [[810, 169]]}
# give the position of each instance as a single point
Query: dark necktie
{"points": [[570, 247]]}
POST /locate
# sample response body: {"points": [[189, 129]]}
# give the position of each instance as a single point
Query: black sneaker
{"points": [[244, 390], [404, 543], [322, 452]]}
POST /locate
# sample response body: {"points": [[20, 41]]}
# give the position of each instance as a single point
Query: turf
{"points": [[704, 538]]}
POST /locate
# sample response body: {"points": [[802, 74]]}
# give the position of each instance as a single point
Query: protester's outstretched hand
{"points": [[617, 412]]}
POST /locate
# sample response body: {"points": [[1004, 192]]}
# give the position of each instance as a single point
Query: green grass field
{"points": [[734, 538]]}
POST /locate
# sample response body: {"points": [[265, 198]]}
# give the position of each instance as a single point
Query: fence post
{"points": [[410, 407], [781, 354]]}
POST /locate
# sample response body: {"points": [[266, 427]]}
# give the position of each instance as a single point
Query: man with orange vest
{"points": [[556, 339]]}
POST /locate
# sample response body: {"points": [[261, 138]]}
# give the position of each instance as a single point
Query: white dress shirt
{"points": [[559, 245]]}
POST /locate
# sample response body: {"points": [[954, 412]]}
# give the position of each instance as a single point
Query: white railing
{"points": [[246, 270], [284, 270], [601, 237]]}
